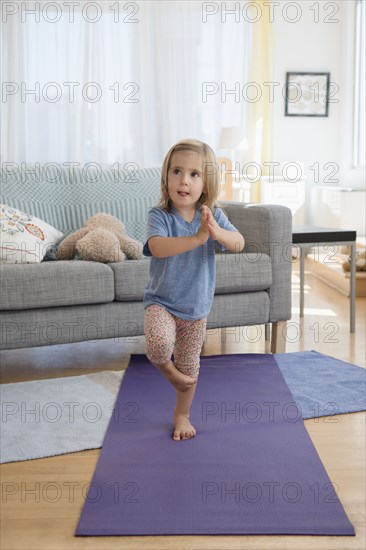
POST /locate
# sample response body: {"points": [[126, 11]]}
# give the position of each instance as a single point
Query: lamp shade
{"points": [[233, 138]]}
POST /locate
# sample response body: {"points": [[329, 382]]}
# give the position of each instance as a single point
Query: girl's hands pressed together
{"points": [[203, 233], [232, 240], [212, 225]]}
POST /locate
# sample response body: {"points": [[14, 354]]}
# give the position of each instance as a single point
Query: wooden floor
{"points": [[48, 521]]}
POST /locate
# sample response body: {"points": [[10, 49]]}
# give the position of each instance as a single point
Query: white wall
{"points": [[307, 45]]}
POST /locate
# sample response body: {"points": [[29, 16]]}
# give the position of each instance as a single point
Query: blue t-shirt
{"points": [[183, 284]]}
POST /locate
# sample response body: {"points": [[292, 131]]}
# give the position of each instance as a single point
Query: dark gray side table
{"points": [[307, 236]]}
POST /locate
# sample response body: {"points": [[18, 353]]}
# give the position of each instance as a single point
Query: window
{"points": [[121, 89], [359, 111]]}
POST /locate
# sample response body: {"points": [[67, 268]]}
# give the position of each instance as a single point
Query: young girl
{"points": [[181, 236]]}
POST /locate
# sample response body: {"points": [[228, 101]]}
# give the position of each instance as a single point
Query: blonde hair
{"points": [[211, 174]]}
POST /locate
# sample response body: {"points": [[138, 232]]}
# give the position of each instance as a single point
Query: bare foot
{"points": [[180, 381], [183, 429]]}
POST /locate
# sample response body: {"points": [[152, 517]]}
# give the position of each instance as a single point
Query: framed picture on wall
{"points": [[307, 94]]}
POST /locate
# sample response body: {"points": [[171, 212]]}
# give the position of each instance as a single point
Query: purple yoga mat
{"points": [[252, 469]]}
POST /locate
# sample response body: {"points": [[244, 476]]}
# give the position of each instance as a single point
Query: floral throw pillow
{"points": [[25, 239]]}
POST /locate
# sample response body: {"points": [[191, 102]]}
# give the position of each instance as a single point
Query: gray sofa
{"points": [[55, 302]]}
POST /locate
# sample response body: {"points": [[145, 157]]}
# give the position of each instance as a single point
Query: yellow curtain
{"points": [[259, 121]]}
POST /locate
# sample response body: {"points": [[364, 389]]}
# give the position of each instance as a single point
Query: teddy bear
{"points": [[360, 261], [101, 239]]}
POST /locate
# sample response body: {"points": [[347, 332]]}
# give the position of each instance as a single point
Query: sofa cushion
{"points": [[234, 273], [243, 272], [51, 284], [130, 279]]}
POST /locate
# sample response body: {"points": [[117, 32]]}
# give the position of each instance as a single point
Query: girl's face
{"points": [[185, 179]]}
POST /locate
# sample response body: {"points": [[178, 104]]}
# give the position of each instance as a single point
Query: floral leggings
{"points": [[165, 333]]}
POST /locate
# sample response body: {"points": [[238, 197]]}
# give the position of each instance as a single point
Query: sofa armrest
{"points": [[267, 229]]}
